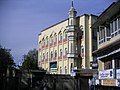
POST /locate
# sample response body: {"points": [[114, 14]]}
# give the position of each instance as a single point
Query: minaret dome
{"points": [[72, 12]]}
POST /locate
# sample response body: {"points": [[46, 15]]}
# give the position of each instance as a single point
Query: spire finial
{"points": [[72, 3]]}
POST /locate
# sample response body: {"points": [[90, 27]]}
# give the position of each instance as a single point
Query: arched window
{"points": [[51, 39], [47, 40], [65, 51], [60, 52], [43, 42], [55, 38], [43, 56], [51, 54], [65, 34], [61, 36], [47, 55], [40, 44], [55, 53]]}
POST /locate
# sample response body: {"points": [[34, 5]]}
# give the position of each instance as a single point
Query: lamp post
{"points": [[94, 78]]}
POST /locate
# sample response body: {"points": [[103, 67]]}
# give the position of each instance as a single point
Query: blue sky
{"points": [[22, 20]]}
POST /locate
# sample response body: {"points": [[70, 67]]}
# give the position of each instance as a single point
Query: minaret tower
{"points": [[72, 15], [73, 33]]}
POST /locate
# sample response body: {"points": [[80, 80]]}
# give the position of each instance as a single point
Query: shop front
{"points": [[109, 79]]}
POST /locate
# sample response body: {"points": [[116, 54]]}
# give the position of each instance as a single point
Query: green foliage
{"points": [[30, 60], [6, 60]]}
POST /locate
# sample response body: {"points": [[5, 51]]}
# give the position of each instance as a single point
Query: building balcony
{"points": [[55, 58], [39, 49], [72, 28], [64, 40], [55, 43], [60, 41], [50, 59], [65, 56], [60, 57], [43, 46], [42, 61], [51, 44], [72, 55], [46, 45], [46, 60]]}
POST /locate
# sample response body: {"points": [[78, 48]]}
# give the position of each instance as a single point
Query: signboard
{"points": [[106, 74], [109, 82], [118, 73], [118, 83]]}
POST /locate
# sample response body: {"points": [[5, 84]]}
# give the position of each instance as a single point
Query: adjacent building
{"points": [[108, 42], [67, 45]]}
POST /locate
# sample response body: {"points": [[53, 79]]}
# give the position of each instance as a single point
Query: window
{"points": [[118, 22], [118, 63], [51, 39], [47, 41], [108, 31], [39, 44], [55, 53], [65, 51], [61, 52], [51, 54], [82, 50], [53, 64], [108, 64], [65, 35], [43, 42], [111, 27], [47, 55], [71, 47], [43, 56], [55, 38], [115, 25], [65, 70], [101, 34], [71, 66], [61, 36]]}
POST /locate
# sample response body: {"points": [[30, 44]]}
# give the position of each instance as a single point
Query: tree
{"points": [[6, 60], [30, 60]]}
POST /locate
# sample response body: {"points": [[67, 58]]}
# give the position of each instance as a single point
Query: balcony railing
{"points": [[65, 56], [46, 45], [60, 57], [51, 44], [64, 40], [54, 58], [72, 55], [55, 43], [60, 41]]}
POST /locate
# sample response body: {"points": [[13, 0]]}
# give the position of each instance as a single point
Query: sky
{"points": [[22, 20]]}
